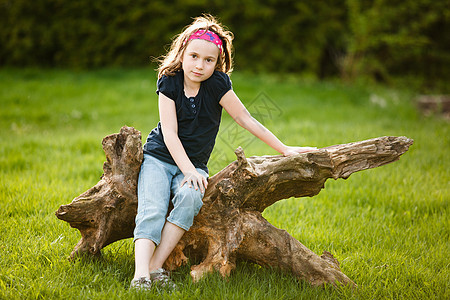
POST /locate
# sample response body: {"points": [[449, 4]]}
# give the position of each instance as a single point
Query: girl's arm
{"points": [[169, 126], [231, 103]]}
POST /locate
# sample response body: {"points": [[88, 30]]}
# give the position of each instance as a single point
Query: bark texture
{"points": [[229, 226]]}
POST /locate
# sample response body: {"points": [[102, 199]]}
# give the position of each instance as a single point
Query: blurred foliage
{"points": [[389, 38], [377, 39]]}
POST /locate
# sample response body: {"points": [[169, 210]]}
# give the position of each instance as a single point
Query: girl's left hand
{"points": [[288, 151], [196, 180]]}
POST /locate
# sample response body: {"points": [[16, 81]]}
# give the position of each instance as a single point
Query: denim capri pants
{"points": [[158, 184]]}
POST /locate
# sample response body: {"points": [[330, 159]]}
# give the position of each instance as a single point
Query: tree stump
{"points": [[230, 226]]}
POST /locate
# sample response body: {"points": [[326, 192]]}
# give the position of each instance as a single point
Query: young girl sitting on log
{"points": [[193, 87]]}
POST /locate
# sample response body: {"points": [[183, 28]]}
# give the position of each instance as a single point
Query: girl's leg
{"points": [[143, 252], [187, 203], [170, 237], [153, 191]]}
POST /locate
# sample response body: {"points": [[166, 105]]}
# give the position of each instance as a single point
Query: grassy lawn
{"points": [[389, 227]]}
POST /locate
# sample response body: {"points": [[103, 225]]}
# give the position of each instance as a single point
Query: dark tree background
{"points": [[382, 40]]}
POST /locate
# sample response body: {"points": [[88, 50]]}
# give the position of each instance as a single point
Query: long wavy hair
{"points": [[171, 63]]}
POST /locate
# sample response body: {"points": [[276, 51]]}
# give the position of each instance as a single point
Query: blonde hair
{"points": [[171, 63]]}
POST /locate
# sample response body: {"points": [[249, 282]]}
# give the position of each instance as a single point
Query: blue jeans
{"points": [[158, 184]]}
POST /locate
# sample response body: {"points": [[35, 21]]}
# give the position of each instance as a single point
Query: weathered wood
{"points": [[105, 213], [230, 226]]}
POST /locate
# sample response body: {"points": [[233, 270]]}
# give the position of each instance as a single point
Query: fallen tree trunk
{"points": [[229, 226]]}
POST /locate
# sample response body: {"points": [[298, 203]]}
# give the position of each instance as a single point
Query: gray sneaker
{"points": [[161, 278], [141, 284]]}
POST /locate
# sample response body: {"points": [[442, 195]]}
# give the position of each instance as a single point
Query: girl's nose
{"points": [[199, 65]]}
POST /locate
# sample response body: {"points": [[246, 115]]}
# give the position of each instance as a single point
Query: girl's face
{"points": [[199, 60]]}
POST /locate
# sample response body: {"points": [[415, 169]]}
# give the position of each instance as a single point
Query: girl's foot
{"points": [[160, 277], [141, 284]]}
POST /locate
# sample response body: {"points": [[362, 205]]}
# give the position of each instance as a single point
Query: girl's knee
{"points": [[190, 193], [188, 198], [187, 205]]}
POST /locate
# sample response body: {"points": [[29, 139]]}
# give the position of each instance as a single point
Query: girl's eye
{"points": [[194, 56]]}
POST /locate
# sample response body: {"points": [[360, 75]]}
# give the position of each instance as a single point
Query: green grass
{"points": [[389, 227]]}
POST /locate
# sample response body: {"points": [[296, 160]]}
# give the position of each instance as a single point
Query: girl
{"points": [[193, 87]]}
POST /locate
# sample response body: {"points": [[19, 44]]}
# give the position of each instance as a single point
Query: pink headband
{"points": [[206, 35]]}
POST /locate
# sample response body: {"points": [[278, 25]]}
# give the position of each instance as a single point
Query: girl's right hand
{"points": [[195, 179]]}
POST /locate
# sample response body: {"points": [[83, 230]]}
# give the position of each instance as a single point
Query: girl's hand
{"points": [[195, 179], [288, 151]]}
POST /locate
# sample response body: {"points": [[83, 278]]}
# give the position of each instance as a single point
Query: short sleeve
{"points": [[219, 84], [167, 86]]}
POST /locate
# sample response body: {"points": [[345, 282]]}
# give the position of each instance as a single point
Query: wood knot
{"points": [[243, 165], [226, 187], [242, 160], [328, 257]]}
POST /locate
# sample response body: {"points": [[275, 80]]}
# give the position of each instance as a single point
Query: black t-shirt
{"points": [[198, 118]]}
